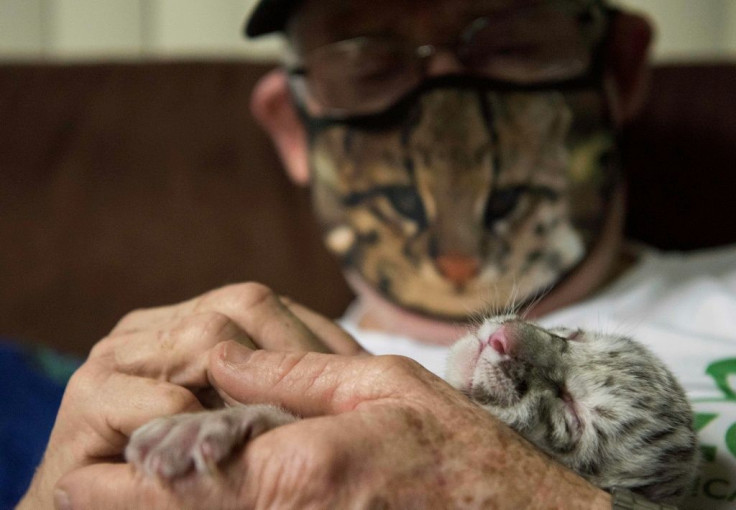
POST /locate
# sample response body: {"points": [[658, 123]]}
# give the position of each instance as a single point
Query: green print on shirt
{"points": [[717, 488], [701, 420], [720, 371]]}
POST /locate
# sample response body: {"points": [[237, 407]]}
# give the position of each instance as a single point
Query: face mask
{"points": [[468, 193]]}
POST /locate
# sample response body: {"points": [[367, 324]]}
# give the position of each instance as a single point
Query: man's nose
{"points": [[459, 269], [443, 62]]}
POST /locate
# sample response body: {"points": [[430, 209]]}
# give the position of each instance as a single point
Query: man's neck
{"points": [[375, 313]]}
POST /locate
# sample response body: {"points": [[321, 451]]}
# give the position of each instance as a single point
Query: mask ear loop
{"points": [[600, 61], [311, 124], [613, 163]]}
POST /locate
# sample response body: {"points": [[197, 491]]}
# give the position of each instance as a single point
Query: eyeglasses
{"points": [[545, 42]]}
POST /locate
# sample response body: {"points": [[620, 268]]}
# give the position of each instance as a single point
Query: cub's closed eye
{"points": [[575, 335]]}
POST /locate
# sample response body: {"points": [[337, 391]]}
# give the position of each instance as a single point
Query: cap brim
{"points": [[269, 16]]}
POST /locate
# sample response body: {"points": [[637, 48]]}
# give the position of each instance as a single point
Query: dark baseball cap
{"points": [[269, 16]]}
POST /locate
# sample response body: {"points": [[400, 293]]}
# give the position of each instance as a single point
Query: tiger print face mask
{"points": [[467, 192]]}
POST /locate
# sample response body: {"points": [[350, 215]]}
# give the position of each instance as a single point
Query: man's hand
{"points": [[153, 363], [378, 433], [172, 343]]}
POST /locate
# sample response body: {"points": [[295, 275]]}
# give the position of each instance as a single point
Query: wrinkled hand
{"points": [[380, 432], [153, 363]]}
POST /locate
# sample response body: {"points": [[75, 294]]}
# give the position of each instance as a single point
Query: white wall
{"points": [[730, 22], [691, 29], [131, 29], [127, 29], [195, 27], [21, 31], [94, 27]]}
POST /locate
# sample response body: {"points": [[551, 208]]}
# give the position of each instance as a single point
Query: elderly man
{"points": [[462, 157]]}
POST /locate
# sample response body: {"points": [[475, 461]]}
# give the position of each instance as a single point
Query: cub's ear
{"points": [[272, 107], [627, 64]]}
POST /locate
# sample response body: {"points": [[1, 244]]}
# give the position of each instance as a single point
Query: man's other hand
{"points": [[378, 432]]}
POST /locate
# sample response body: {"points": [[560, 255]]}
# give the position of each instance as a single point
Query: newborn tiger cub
{"points": [[600, 404]]}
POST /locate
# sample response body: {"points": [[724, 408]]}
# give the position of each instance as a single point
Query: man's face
{"points": [[452, 194], [320, 22]]}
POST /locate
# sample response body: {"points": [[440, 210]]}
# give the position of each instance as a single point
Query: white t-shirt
{"points": [[683, 307]]}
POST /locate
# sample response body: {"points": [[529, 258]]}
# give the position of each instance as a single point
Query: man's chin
{"points": [[377, 312]]}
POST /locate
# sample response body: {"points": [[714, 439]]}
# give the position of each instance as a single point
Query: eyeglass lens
{"points": [[367, 74]]}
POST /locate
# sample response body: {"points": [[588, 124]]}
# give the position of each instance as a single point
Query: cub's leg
{"points": [[170, 447]]}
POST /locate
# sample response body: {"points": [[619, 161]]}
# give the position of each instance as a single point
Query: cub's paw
{"points": [[170, 447]]}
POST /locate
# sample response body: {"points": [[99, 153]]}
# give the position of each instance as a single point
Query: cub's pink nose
{"points": [[499, 341]]}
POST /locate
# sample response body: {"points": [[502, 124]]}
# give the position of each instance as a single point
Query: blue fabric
{"points": [[32, 383]]}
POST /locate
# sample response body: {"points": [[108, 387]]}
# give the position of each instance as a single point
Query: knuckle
{"points": [[321, 457], [205, 329], [395, 365], [103, 348], [243, 296], [129, 318], [82, 382], [176, 399]]}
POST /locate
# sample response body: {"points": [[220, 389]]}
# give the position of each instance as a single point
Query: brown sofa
{"points": [[132, 185]]}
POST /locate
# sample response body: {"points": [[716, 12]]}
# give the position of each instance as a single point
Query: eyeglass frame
{"points": [[424, 52]]}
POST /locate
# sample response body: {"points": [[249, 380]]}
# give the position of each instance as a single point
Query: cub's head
{"points": [[600, 404]]}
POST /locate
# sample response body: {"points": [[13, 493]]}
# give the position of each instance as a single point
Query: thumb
{"points": [[307, 383]]}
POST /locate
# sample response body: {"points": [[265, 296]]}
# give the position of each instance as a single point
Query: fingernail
{"points": [[61, 500], [236, 354]]}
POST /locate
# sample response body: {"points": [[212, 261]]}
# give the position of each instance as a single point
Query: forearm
{"points": [[563, 489], [508, 470]]}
